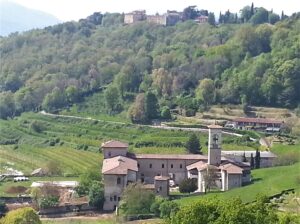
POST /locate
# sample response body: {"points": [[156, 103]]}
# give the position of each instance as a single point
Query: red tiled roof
{"points": [[200, 166], [114, 144], [119, 165], [257, 120], [231, 168]]}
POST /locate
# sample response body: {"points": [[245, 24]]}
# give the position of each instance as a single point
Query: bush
{"points": [[3, 207], [188, 186], [167, 208], [22, 216], [49, 202], [165, 113], [36, 126], [96, 194]]}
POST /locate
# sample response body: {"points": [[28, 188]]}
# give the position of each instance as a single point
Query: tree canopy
{"points": [[57, 66]]}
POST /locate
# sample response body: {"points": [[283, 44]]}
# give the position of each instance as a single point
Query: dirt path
{"points": [[151, 126]]}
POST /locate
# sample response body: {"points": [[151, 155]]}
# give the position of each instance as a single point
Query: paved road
{"points": [[152, 126]]}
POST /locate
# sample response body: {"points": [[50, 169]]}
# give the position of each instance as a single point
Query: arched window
{"points": [[118, 180]]}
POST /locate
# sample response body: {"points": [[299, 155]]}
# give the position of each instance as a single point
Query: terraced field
{"points": [[30, 141]]}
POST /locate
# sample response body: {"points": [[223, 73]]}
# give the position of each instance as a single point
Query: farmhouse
{"points": [[121, 168], [245, 123]]}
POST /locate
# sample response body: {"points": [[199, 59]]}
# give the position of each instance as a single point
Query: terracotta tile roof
{"points": [[170, 156], [161, 178], [231, 168], [119, 165], [114, 144], [214, 126], [200, 166], [257, 120]]}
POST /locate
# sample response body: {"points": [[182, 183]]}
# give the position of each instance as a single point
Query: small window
{"points": [[109, 154], [171, 165], [150, 165], [115, 198], [119, 198], [180, 166], [111, 198], [138, 165], [160, 188], [118, 180], [162, 165]]}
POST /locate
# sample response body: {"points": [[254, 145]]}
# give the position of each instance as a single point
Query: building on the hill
{"points": [[121, 168], [248, 123], [201, 19], [135, 16], [168, 19]]}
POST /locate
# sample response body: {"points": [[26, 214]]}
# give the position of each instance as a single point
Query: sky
{"points": [[67, 10]]}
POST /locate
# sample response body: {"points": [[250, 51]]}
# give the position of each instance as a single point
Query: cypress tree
{"points": [[252, 161], [193, 144], [244, 157], [257, 159], [252, 9]]}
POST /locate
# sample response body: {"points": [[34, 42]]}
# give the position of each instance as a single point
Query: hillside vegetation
{"points": [[150, 67]]}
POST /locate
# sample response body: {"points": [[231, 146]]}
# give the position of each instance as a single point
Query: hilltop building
{"points": [[135, 16], [121, 168], [168, 19]]}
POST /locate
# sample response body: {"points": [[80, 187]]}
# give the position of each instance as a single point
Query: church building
{"points": [[156, 171]]}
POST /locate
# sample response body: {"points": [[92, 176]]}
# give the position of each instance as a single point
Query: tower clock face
{"points": [[215, 139]]}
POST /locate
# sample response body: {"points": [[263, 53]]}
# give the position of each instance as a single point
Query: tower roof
{"points": [[114, 144]]}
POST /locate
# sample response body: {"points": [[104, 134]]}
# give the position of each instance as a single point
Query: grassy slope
{"points": [[268, 181], [33, 149]]}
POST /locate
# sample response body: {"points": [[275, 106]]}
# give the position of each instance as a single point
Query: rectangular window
{"points": [[162, 165], [150, 165], [171, 165], [180, 166], [119, 198], [115, 198]]}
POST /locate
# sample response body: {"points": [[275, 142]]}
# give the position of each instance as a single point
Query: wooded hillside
{"points": [[152, 67]]}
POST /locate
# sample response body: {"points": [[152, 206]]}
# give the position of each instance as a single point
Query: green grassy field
{"points": [[74, 143], [267, 181]]}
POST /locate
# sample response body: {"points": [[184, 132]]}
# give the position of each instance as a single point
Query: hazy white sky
{"points": [[75, 9]]}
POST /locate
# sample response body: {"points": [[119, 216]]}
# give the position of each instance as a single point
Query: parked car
{"points": [[17, 179]]}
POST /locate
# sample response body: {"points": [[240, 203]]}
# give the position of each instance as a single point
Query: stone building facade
{"points": [[121, 168], [135, 16]]}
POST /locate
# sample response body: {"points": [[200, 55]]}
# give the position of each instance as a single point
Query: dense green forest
{"points": [[253, 60]]}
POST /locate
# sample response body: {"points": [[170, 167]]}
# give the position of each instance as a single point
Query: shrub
{"points": [[96, 194], [36, 126], [188, 186], [165, 113], [167, 208], [22, 216], [49, 202]]}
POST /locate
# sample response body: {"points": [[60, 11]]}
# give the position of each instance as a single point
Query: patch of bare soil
{"points": [[16, 190]]}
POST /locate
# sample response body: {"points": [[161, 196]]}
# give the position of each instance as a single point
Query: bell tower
{"points": [[214, 144]]}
